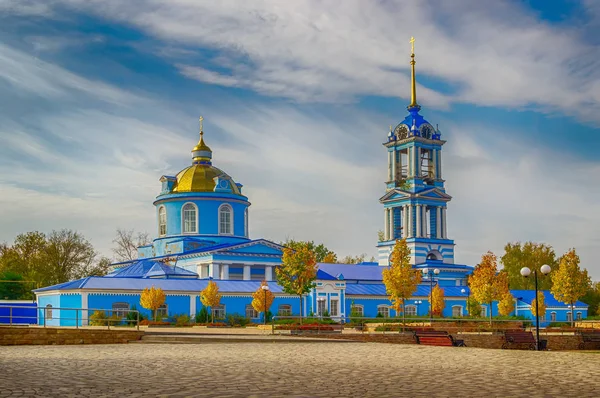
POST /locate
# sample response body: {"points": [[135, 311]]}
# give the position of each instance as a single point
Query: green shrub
{"points": [[237, 320], [182, 320], [202, 315], [98, 318]]}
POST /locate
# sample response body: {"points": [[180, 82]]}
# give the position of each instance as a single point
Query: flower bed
{"points": [[305, 327]]}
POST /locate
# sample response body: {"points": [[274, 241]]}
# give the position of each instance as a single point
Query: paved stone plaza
{"points": [[293, 369]]}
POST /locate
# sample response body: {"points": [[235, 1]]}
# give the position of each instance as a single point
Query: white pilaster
{"points": [[440, 163], [213, 271], [418, 161], [444, 230], [419, 220], [424, 224], [389, 166], [386, 227], [391, 223], [438, 222], [84, 305], [269, 273], [246, 272], [394, 166], [408, 162], [193, 305], [225, 271], [410, 221], [405, 221]]}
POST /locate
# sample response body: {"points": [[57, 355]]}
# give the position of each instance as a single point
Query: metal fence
{"points": [[69, 317], [322, 325]]}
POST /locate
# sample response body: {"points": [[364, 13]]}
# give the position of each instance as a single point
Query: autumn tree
{"points": [[330, 258], [592, 299], [531, 255], [540, 303], [321, 251], [400, 279], [262, 299], [127, 243], [569, 282], [297, 272], [486, 284], [152, 299], [210, 297], [473, 308], [437, 301], [354, 259], [506, 305]]}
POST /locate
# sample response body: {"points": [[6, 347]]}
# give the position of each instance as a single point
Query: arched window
{"points": [[578, 316], [48, 314], [357, 310], [162, 221], [120, 309], [457, 311], [553, 316], [189, 218], [569, 316], [383, 310], [246, 222], [285, 310], [225, 220], [411, 310]]}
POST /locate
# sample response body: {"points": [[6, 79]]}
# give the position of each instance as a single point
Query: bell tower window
{"points": [[225, 220], [162, 221], [426, 168]]}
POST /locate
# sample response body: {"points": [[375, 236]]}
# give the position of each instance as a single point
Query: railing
{"points": [[69, 316], [319, 325]]}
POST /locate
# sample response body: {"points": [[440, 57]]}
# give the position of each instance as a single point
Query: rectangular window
{"points": [[553, 317], [219, 311], [578, 316], [357, 310], [321, 306], [333, 304], [285, 310], [162, 312], [120, 309], [411, 310], [569, 316], [251, 312], [384, 311]]}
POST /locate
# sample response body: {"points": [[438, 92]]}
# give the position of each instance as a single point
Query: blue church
{"points": [[202, 234]]}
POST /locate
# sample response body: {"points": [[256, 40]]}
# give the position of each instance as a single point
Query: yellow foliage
{"points": [[569, 282], [400, 279], [507, 304], [486, 284], [541, 304], [259, 303], [152, 299], [210, 297], [437, 301], [331, 257]]}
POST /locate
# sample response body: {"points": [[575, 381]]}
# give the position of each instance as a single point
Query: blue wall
{"points": [[54, 301], [22, 312]]}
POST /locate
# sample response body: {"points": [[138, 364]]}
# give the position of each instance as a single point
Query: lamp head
{"points": [[265, 287], [545, 269], [463, 291], [525, 272], [436, 271], [425, 270]]}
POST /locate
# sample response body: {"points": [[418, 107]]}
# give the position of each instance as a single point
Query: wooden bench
{"points": [[437, 337], [592, 337], [519, 337]]}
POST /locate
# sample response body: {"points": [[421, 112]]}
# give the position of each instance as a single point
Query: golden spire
{"points": [[201, 151], [413, 80]]}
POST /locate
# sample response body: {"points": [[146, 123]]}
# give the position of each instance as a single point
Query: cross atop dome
{"points": [[202, 152]]}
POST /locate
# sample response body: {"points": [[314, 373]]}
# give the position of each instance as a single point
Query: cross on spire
{"points": [[412, 45], [201, 120]]}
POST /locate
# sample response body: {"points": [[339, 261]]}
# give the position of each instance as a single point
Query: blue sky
{"points": [[98, 99]]}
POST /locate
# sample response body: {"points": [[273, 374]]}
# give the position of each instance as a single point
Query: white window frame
{"points": [[461, 309], [484, 311], [183, 219], [221, 212], [358, 308], [121, 309], [409, 308], [321, 306], [254, 314], [333, 307], [48, 312], [569, 316], [284, 311], [578, 316], [553, 316], [162, 311], [383, 310], [162, 232], [217, 309], [246, 227]]}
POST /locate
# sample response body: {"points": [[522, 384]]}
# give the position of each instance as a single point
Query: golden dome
{"points": [[197, 178]]}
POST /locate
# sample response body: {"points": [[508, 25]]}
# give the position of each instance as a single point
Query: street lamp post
{"points": [[417, 302], [463, 291], [265, 289], [430, 274], [525, 272]]}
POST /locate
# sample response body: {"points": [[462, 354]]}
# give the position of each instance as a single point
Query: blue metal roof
{"points": [[146, 268], [168, 285], [527, 296], [378, 289], [352, 271], [324, 276]]}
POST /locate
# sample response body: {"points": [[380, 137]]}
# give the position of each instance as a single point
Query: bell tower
{"points": [[415, 201]]}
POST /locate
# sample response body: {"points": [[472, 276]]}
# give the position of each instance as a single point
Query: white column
{"points": [[389, 166], [386, 227], [84, 305], [418, 159], [438, 222], [419, 219], [410, 221], [213, 271], [405, 221], [225, 271], [246, 272], [391, 224], [440, 163], [193, 305], [425, 226], [435, 155], [444, 230], [269, 273], [408, 162], [393, 165]]}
